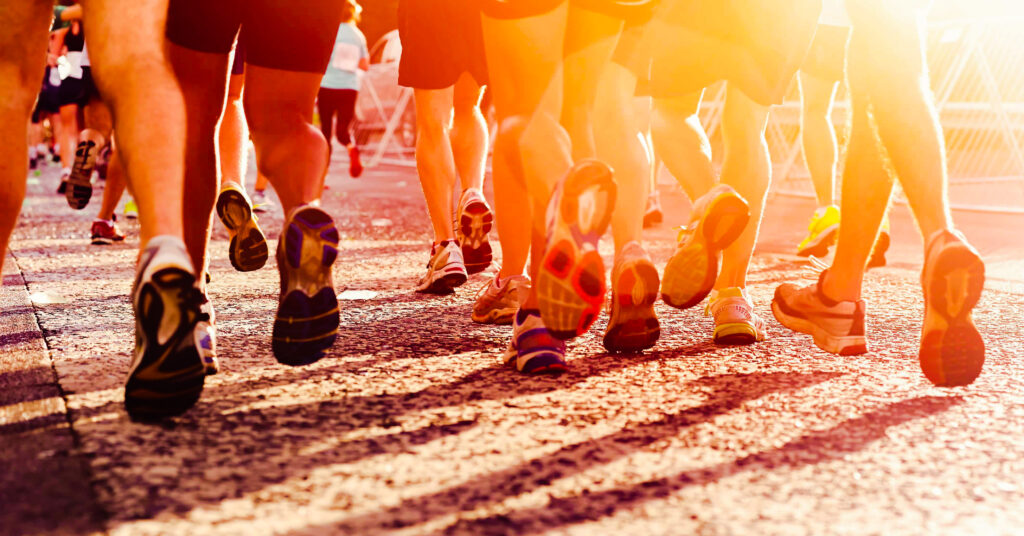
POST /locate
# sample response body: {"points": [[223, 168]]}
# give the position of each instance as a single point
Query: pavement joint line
{"points": [[76, 440]]}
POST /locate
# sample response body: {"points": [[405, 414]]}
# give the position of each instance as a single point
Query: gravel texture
{"points": [[412, 425]]}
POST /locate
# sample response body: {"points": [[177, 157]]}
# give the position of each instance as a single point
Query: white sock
{"points": [[41, 148], [32, 153]]}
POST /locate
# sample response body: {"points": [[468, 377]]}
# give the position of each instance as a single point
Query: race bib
{"points": [[346, 57]]}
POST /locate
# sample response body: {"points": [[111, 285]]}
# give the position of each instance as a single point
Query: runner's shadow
{"points": [[725, 393], [814, 448]]}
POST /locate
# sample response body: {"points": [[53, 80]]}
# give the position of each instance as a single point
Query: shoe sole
{"points": [[571, 282], [554, 368], [501, 317], [691, 272], [474, 225], [445, 284], [79, 188], [821, 244], [248, 250], [307, 315], [952, 350], [170, 382], [633, 326], [105, 241], [736, 334], [848, 345]]}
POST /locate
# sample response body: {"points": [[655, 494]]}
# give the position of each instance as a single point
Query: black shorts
{"points": [[826, 59], [441, 39], [280, 34], [48, 101], [77, 90], [691, 44]]}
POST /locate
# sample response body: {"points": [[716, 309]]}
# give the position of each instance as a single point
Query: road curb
{"points": [[44, 486]]}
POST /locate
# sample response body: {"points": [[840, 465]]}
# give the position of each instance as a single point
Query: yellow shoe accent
{"points": [[824, 229]]}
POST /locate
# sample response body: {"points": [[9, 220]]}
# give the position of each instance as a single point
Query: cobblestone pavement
{"points": [[411, 425]]}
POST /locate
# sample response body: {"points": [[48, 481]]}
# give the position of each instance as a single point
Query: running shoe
{"points": [[131, 210], [167, 372], [952, 350], [877, 258], [355, 165], [79, 189], [62, 188], [736, 323], [717, 220], [206, 338], [653, 214], [248, 249], [307, 316], [445, 269], [534, 349], [474, 224], [633, 326], [837, 326], [824, 229], [498, 301], [260, 202], [571, 281], [105, 233]]}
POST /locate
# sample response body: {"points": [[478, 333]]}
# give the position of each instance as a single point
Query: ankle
{"points": [[839, 287]]}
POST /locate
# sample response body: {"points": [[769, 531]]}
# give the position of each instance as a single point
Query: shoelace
{"points": [[816, 266]]}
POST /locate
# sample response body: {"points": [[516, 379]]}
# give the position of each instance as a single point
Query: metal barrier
{"points": [[979, 91]]}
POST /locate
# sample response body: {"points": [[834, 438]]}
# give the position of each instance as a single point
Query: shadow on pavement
{"points": [[816, 447], [44, 488], [727, 393]]}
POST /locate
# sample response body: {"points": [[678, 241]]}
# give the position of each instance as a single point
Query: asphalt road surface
{"points": [[412, 425]]}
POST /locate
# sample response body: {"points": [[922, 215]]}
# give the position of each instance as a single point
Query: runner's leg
{"points": [[682, 144], [130, 79], [818, 135], [747, 168], [22, 49], [902, 102], [468, 135], [290, 151], [203, 77], [233, 136], [435, 162]]}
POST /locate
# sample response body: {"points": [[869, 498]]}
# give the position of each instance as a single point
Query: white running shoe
{"points": [[498, 301], [445, 270], [735, 319]]}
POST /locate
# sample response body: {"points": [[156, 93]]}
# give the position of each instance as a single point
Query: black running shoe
{"points": [[167, 371], [79, 186], [307, 315]]}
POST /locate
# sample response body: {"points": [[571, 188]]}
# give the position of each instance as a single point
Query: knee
{"points": [[432, 127], [264, 120]]}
